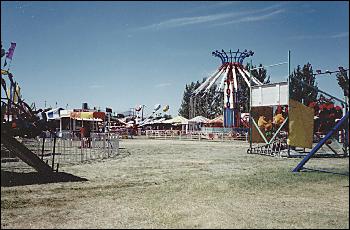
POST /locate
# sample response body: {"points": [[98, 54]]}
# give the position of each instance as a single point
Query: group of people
{"points": [[326, 115], [278, 119]]}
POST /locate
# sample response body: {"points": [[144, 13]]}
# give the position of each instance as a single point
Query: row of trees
{"points": [[307, 95], [208, 105]]}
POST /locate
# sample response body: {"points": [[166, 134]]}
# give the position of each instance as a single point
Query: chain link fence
{"points": [[65, 150]]}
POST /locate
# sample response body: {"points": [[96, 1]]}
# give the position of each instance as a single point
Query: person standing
{"points": [[88, 135]]}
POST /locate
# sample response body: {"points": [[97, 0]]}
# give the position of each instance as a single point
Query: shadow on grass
{"points": [[9, 179]]}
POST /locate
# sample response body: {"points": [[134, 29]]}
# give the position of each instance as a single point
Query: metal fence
{"points": [[197, 135], [61, 151]]}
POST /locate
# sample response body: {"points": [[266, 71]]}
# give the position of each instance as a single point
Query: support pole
{"points": [[346, 130], [43, 147], [53, 152], [250, 106], [288, 152]]}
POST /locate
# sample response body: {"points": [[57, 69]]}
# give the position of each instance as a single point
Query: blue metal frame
{"points": [[321, 143], [237, 58]]}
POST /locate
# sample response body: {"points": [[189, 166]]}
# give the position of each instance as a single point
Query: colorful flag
{"points": [[11, 50], [17, 94]]}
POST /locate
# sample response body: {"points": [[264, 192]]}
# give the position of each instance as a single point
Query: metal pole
{"points": [[194, 108], [43, 147], [250, 106], [190, 108], [109, 129], [288, 62], [346, 129], [288, 95], [53, 152], [143, 106]]}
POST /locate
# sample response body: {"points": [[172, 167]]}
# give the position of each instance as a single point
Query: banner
{"points": [[11, 50], [53, 114]]}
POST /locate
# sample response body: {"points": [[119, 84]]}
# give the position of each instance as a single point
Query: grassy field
{"points": [[185, 184]]}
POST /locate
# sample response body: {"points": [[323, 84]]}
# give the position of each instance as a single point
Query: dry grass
{"points": [[185, 184]]}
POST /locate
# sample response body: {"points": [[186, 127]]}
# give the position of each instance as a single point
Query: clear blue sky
{"points": [[121, 54]]}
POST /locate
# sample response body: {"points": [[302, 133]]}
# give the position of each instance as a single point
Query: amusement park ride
{"points": [[233, 75], [19, 119], [277, 121], [140, 109]]}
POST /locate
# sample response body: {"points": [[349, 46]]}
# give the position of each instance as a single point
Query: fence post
{"points": [[53, 152], [81, 149], [43, 148]]}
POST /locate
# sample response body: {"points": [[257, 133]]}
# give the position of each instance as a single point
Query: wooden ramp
{"points": [[22, 152]]}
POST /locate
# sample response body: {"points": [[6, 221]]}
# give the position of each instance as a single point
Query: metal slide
{"points": [[22, 152]]}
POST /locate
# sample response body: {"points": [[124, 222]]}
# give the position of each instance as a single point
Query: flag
{"points": [[11, 93], [11, 50], [17, 94]]}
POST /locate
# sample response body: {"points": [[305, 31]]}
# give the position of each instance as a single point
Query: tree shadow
{"points": [[9, 179]]}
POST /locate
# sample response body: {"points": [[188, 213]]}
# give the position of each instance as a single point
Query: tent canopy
{"points": [[199, 119], [152, 122], [219, 119], [177, 120], [159, 121]]}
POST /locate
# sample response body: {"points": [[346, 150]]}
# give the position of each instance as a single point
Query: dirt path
{"points": [[185, 184]]}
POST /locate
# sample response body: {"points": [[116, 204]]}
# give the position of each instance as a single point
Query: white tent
{"points": [[179, 120], [199, 119], [196, 123]]}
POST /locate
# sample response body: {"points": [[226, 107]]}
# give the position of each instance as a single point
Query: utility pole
{"points": [[190, 109], [143, 106]]}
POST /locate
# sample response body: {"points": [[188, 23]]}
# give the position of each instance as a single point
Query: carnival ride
{"points": [[150, 118], [232, 77], [20, 120], [331, 122], [295, 125], [278, 123]]}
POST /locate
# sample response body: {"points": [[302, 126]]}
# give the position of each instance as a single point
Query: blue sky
{"points": [[121, 54]]}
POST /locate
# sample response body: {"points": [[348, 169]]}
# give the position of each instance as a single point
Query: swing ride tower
{"points": [[233, 76]]}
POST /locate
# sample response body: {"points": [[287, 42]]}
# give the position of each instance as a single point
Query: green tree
{"points": [[185, 105], [214, 102], [301, 92], [343, 81], [259, 73]]}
